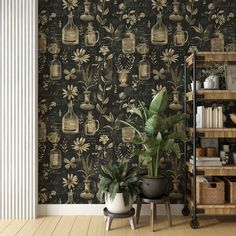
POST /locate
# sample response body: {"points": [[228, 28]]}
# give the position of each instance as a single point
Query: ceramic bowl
{"points": [[233, 118]]}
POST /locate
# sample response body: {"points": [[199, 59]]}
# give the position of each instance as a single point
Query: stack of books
{"points": [[206, 161], [209, 117]]}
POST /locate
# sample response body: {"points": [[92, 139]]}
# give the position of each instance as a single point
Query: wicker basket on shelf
{"points": [[230, 189], [210, 192]]}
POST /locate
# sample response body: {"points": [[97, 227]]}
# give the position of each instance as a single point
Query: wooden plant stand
{"points": [[164, 200], [110, 216]]}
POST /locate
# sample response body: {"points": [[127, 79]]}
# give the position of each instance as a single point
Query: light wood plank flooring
{"points": [[94, 226]]}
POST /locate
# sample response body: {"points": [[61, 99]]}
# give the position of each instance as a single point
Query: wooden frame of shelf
{"points": [[215, 95], [227, 170], [215, 133]]}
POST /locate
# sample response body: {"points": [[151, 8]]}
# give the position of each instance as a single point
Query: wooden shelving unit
{"points": [[213, 95], [192, 64], [214, 133]]}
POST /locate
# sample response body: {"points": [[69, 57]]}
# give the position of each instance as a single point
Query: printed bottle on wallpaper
{"points": [[217, 42], [86, 15], [70, 32], [86, 104], [55, 68], [180, 36], [70, 121], [91, 37], [55, 157], [144, 68], [128, 42], [159, 32], [91, 126]]}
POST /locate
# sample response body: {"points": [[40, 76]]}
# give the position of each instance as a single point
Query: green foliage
{"points": [[118, 178], [159, 137]]}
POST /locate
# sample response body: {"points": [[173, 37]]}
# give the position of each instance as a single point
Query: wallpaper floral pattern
{"points": [[99, 58]]}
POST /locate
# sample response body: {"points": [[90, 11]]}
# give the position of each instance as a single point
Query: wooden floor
{"points": [[94, 226]]}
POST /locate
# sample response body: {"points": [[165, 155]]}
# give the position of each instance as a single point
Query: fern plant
{"points": [[118, 178]]}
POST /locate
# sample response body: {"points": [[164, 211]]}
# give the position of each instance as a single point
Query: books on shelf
{"points": [[206, 161], [209, 117]]}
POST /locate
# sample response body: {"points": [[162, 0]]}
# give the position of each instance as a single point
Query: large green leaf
{"points": [[152, 125], [158, 103]]}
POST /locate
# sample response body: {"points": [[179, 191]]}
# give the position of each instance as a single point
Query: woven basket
{"points": [[230, 189], [210, 193]]}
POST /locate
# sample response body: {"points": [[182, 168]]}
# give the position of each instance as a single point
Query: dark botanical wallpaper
{"points": [[99, 58]]}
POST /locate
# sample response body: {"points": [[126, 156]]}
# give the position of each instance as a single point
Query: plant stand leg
{"points": [[108, 223], [152, 216], [105, 218], [167, 205], [139, 205], [131, 222], [155, 213]]}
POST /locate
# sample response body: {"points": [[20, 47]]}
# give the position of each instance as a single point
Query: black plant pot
{"points": [[153, 187]]}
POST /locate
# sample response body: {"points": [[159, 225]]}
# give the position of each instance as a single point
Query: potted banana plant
{"points": [[156, 139], [118, 186]]}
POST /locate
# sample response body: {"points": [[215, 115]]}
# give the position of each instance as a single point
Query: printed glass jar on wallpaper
{"points": [[97, 60]]}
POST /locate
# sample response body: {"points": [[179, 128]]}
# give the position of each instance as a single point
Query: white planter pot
{"points": [[117, 205]]}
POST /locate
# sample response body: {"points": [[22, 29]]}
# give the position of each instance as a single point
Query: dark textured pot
{"points": [[153, 187]]}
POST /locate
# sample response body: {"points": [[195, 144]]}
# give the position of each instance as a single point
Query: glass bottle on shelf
{"points": [[180, 36], [159, 32], [55, 68], [91, 126], [70, 197], [91, 37], [42, 43], [55, 157], [42, 131], [86, 104], [128, 43], [70, 121], [217, 42], [86, 16], [175, 15], [86, 193], [144, 68], [70, 32]]}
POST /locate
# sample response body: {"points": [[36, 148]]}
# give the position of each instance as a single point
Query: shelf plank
{"points": [[215, 95], [227, 170], [216, 56], [215, 133], [223, 209]]}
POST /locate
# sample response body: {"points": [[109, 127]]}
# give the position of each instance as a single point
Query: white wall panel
{"points": [[18, 109]]}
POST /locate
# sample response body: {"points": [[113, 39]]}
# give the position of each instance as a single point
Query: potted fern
{"points": [[156, 139], [118, 186]]}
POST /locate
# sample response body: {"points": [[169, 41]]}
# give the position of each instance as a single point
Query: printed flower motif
{"points": [[193, 49], [71, 181], [132, 17], [80, 146], [70, 4], [70, 74], [80, 56], [169, 56], [104, 139], [158, 4], [70, 163], [159, 74], [104, 50], [71, 92]]}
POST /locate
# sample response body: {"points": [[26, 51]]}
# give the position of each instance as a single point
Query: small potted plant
{"points": [[156, 139], [118, 186]]}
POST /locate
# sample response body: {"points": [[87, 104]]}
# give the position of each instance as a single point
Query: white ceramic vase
{"points": [[117, 206]]}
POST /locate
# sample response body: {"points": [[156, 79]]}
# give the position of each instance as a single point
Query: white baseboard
{"points": [[97, 209]]}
